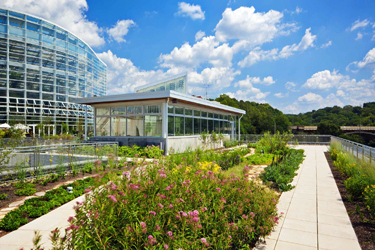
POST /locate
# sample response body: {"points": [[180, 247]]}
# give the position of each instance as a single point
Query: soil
{"points": [[365, 227]]}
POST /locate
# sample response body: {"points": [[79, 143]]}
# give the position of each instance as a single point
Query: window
{"points": [[204, 114], [188, 112], [134, 110], [179, 111], [170, 109], [16, 22], [171, 125], [197, 126], [204, 127], [102, 111], [155, 109], [135, 126], [118, 126], [102, 126], [15, 93], [188, 126], [119, 111], [197, 113], [179, 126], [153, 125]]}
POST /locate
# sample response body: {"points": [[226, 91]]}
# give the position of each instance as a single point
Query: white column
{"points": [[54, 130], [85, 122], [164, 119]]}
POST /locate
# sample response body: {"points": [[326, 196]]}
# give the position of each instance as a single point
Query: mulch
{"points": [[364, 227]]}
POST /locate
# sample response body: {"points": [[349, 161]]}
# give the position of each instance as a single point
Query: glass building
{"points": [[42, 68]]}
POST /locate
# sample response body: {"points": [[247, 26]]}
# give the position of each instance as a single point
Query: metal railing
{"points": [[46, 159], [358, 150], [301, 139], [40, 142]]}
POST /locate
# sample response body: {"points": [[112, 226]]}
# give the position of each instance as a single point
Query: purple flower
{"points": [[203, 176], [195, 212], [169, 233], [143, 225], [70, 218], [87, 190], [244, 216], [166, 246], [160, 205], [157, 227], [218, 189], [112, 197], [162, 175], [153, 213], [170, 205], [150, 237], [204, 241], [210, 172]]}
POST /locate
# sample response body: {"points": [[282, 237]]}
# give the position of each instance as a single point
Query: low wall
{"points": [[181, 143]]}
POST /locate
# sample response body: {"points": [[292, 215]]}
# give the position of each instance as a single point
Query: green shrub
{"points": [[356, 185], [3, 196], [25, 191], [137, 151], [155, 208], [280, 173], [231, 143], [274, 144], [260, 159], [369, 197]]}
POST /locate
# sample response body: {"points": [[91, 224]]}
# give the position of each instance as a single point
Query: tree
{"points": [[328, 128]]}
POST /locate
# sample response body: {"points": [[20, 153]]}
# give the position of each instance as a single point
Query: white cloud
{"points": [[190, 10], [199, 35], [291, 86], [326, 45], [368, 59], [310, 97], [249, 81], [258, 54], [206, 50], [359, 36], [359, 24], [70, 14], [296, 11], [279, 95], [326, 80], [118, 31], [256, 28]]}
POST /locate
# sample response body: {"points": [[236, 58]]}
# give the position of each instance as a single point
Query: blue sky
{"points": [[295, 55]]}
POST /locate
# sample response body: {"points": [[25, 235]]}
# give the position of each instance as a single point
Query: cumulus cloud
{"points": [[256, 28], [118, 31], [247, 91], [199, 35], [368, 59], [310, 97], [291, 86], [258, 54], [279, 95], [190, 10], [359, 24], [249, 81], [206, 50], [70, 14], [326, 45], [325, 80]]}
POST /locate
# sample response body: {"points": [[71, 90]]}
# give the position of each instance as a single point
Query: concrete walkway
{"points": [[314, 214], [23, 236]]}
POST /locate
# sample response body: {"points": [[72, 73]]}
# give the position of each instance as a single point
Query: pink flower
{"points": [[204, 241], [157, 227], [167, 188], [170, 205], [218, 189], [210, 172], [70, 219], [160, 205], [166, 246], [143, 225], [252, 214], [244, 216], [153, 213], [162, 175], [203, 176], [112, 197], [87, 190], [205, 209], [150, 237], [169, 233], [195, 212]]}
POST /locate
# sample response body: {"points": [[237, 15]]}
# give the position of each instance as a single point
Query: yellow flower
{"points": [[50, 159], [97, 149], [52, 156]]}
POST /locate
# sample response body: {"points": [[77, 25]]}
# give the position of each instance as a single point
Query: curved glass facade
{"points": [[42, 68]]}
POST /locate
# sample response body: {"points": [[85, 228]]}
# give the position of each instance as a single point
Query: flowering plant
{"points": [[151, 207]]}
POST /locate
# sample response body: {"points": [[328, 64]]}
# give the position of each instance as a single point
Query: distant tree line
{"points": [[261, 118]]}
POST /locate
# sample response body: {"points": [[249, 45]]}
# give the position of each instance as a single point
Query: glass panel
{"points": [[135, 126], [188, 112], [15, 14], [216, 116], [204, 114], [33, 27], [197, 113], [102, 111], [16, 31], [15, 93], [155, 109], [170, 109], [47, 96], [118, 111], [118, 126], [179, 126], [16, 22], [204, 126], [3, 19], [179, 111], [188, 126], [197, 126], [210, 115], [102, 126], [134, 110], [216, 127], [153, 125], [171, 125], [32, 19]]}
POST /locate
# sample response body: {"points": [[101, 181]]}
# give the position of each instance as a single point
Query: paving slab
{"points": [[315, 216]]}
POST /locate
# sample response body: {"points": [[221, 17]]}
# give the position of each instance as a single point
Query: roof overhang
{"points": [[157, 95]]}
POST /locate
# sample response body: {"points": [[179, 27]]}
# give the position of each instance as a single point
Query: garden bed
{"points": [[360, 217]]}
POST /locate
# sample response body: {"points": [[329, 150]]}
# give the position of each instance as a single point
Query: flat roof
{"points": [[157, 95]]}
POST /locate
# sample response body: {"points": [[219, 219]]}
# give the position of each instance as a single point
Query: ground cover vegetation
{"points": [[360, 176], [137, 151]]}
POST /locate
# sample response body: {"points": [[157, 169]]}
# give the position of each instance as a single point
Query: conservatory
{"points": [[168, 118]]}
